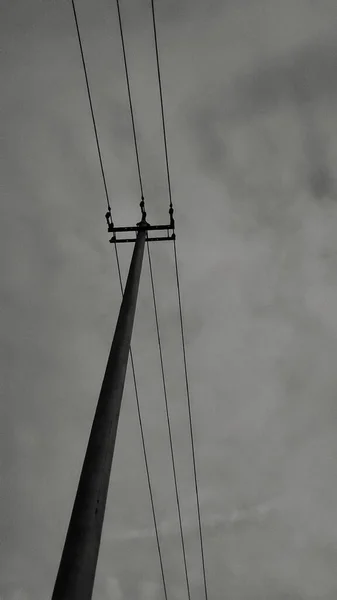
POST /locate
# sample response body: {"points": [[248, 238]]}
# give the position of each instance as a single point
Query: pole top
{"points": [[143, 224]]}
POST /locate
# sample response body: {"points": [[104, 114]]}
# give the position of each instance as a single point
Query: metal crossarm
{"points": [[168, 238], [112, 229], [144, 225]]}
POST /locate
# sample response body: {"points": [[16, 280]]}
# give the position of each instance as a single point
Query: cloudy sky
{"points": [[250, 92]]}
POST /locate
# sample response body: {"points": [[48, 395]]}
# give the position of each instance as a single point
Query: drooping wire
{"points": [[180, 307], [161, 102], [154, 297], [168, 421], [91, 106], [190, 421], [120, 280], [143, 444], [142, 204]]}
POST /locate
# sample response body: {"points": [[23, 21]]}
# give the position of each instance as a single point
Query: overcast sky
{"points": [[250, 90]]}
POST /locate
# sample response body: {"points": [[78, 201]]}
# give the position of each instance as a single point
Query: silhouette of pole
{"points": [[76, 574]]}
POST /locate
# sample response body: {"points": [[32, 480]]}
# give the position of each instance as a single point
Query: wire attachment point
{"points": [[142, 208], [109, 219], [172, 222]]}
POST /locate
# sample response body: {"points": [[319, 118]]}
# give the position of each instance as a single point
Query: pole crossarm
{"points": [[136, 227], [170, 227], [167, 238]]}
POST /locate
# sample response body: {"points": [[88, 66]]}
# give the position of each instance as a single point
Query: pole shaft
{"points": [[76, 574]]}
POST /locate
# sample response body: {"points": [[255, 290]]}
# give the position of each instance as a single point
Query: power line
{"points": [[190, 421], [180, 303], [130, 103], [144, 446], [168, 422], [152, 280], [161, 102], [91, 106]]}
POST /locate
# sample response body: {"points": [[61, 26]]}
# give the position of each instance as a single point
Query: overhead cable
{"points": [[154, 300], [142, 204], [144, 446], [168, 422], [161, 102], [190, 421], [91, 106], [180, 305]]}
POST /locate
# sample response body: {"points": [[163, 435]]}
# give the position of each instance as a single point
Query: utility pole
{"points": [[76, 574]]}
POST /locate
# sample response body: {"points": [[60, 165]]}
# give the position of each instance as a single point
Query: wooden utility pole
{"points": [[76, 574], [75, 578]]}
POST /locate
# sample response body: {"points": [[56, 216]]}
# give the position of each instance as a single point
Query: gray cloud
{"points": [[238, 130], [252, 159]]}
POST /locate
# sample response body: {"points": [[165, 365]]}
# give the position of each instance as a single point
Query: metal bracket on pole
{"points": [[144, 225]]}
